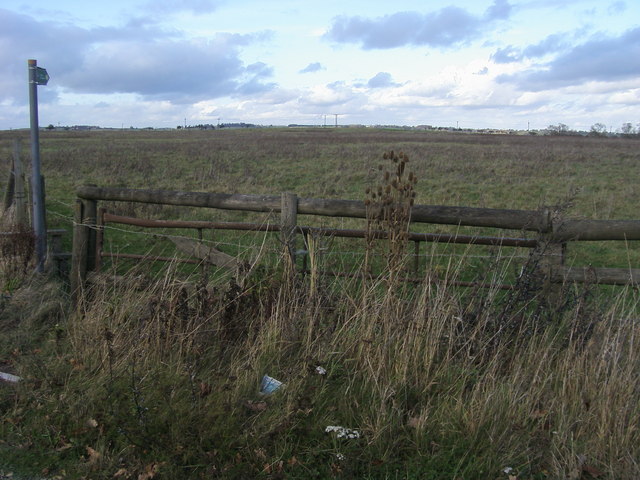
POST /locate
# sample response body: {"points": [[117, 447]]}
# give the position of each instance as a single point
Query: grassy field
{"points": [[587, 177], [157, 375]]}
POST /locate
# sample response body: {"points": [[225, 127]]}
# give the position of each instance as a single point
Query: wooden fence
{"points": [[554, 233]]}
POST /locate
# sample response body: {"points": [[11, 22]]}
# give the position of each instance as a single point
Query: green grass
{"points": [[441, 384], [157, 373], [589, 177]]}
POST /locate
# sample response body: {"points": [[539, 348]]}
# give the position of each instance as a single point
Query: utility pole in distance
{"points": [[37, 76]]}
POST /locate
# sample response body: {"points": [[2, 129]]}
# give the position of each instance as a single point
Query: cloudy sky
{"points": [[471, 63]]}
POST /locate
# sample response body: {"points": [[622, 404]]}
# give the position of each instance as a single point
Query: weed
{"points": [[17, 247], [160, 375]]}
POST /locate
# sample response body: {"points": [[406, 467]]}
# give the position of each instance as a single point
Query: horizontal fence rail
{"points": [[552, 232], [530, 220], [537, 221], [593, 230], [335, 232]]}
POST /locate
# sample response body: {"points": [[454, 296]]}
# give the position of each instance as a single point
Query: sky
{"points": [[513, 64]]}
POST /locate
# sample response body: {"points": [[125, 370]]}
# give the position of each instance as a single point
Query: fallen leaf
{"points": [[92, 423], [594, 472], [121, 473], [293, 461], [93, 456], [76, 364], [150, 472], [259, 406], [205, 389], [575, 474], [413, 422]]}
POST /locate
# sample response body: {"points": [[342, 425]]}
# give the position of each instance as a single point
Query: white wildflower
{"points": [[340, 457], [507, 470], [342, 432], [320, 370]]}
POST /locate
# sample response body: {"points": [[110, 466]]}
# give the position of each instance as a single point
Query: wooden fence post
{"points": [[288, 224], [99, 239], [9, 191], [14, 194], [79, 254], [90, 220], [19, 195], [416, 257], [552, 255], [56, 257]]}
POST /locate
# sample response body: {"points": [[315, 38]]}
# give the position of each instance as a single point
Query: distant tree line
{"points": [[597, 130]]}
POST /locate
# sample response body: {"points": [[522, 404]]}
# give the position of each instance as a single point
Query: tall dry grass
{"points": [[162, 373], [157, 375]]}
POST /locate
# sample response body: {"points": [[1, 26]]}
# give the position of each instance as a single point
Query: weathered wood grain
{"points": [[607, 276], [532, 220], [206, 253]]}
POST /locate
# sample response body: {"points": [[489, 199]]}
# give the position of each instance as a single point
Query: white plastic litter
{"points": [[7, 377], [268, 385]]}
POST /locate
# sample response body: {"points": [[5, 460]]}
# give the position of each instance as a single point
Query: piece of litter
{"points": [[507, 470], [268, 385], [342, 432], [7, 377], [320, 370]]}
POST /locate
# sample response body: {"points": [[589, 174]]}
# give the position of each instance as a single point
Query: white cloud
{"points": [[446, 27], [139, 58], [601, 58], [312, 67], [491, 61]]}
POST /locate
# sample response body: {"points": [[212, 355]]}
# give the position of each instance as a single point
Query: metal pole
{"points": [[39, 228]]}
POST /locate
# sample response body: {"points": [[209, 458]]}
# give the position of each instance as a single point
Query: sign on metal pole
{"points": [[42, 77], [37, 76]]}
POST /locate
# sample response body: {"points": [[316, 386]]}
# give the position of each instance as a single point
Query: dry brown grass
{"points": [[161, 372]]}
